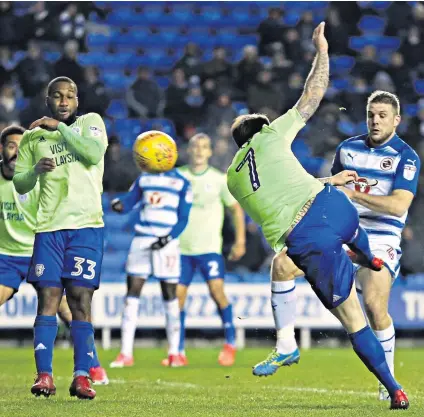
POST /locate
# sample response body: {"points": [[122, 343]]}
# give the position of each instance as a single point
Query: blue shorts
{"points": [[211, 266], [315, 245], [13, 270], [67, 255]]}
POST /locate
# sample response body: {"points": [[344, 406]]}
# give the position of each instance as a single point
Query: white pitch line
{"points": [[326, 391]]}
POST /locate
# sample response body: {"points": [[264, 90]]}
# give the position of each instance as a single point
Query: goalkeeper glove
{"points": [[161, 242]]}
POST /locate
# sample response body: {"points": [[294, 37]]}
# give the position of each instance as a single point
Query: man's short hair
{"points": [[200, 135], [245, 126], [60, 80], [386, 98], [11, 130]]}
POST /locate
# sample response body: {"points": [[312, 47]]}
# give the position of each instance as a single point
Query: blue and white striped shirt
{"points": [[382, 169], [165, 201]]}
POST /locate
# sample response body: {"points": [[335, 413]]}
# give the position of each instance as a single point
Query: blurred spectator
{"points": [[355, 99], [6, 60], [120, 168], [174, 99], [399, 18], [412, 46], [366, 65], [336, 32], [34, 72], [218, 68], [264, 94], [190, 63], [43, 21], [195, 106], [67, 65], [144, 97], [219, 112], [399, 73], [9, 24], [4, 73], [224, 147], [382, 81], [72, 23], [281, 68], [248, 69], [8, 111], [295, 89], [305, 28], [415, 134], [293, 45], [271, 32], [92, 93], [35, 110]]}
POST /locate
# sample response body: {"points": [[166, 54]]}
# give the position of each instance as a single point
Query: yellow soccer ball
{"points": [[155, 152]]}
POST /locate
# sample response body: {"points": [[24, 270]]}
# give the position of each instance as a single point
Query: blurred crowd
{"points": [[206, 95]]}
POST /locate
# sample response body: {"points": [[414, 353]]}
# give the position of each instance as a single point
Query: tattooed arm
{"points": [[317, 81]]}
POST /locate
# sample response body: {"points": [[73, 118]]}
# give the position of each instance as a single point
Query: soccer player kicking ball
{"points": [[389, 170], [313, 220], [166, 200], [65, 155], [202, 251], [17, 224]]}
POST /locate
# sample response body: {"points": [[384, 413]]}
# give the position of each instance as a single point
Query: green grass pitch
{"points": [[327, 382]]}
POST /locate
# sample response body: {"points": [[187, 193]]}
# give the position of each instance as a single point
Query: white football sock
{"points": [[387, 339], [172, 316], [129, 324], [283, 303]]}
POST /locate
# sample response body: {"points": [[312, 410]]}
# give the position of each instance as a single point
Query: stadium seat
{"points": [[410, 109], [419, 87], [51, 56], [98, 41], [341, 64], [117, 109], [110, 129], [124, 17], [114, 262], [369, 24], [91, 58], [128, 130], [163, 82], [240, 107], [346, 127], [116, 80], [165, 125]]}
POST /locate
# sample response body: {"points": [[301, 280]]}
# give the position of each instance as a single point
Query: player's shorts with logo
{"points": [[74, 255], [210, 265], [389, 252], [316, 245], [163, 264], [13, 270]]}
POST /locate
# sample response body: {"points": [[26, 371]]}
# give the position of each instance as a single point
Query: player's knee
{"points": [[181, 295], [169, 291], [282, 268], [48, 300], [79, 301], [377, 310], [5, 294], [217, 293], [135, 285]]}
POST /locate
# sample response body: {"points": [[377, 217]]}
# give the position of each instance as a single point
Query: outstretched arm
{"points": [[317, 81]]}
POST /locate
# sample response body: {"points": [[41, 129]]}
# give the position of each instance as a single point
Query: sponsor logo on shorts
{"points": [[39, 270], [386, 164]]}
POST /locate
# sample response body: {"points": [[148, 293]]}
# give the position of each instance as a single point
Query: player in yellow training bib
{"points": [[312, 219], [64, 154]]}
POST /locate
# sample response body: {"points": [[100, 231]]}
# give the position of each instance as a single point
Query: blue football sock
{"points": [[369, 349], [360, 244], [82, 334], [45, 331], [181, 346], [95, 363], [227, 320]]}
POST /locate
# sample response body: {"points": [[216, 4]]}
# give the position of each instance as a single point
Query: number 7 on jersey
{"points": [[253, 173]]}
